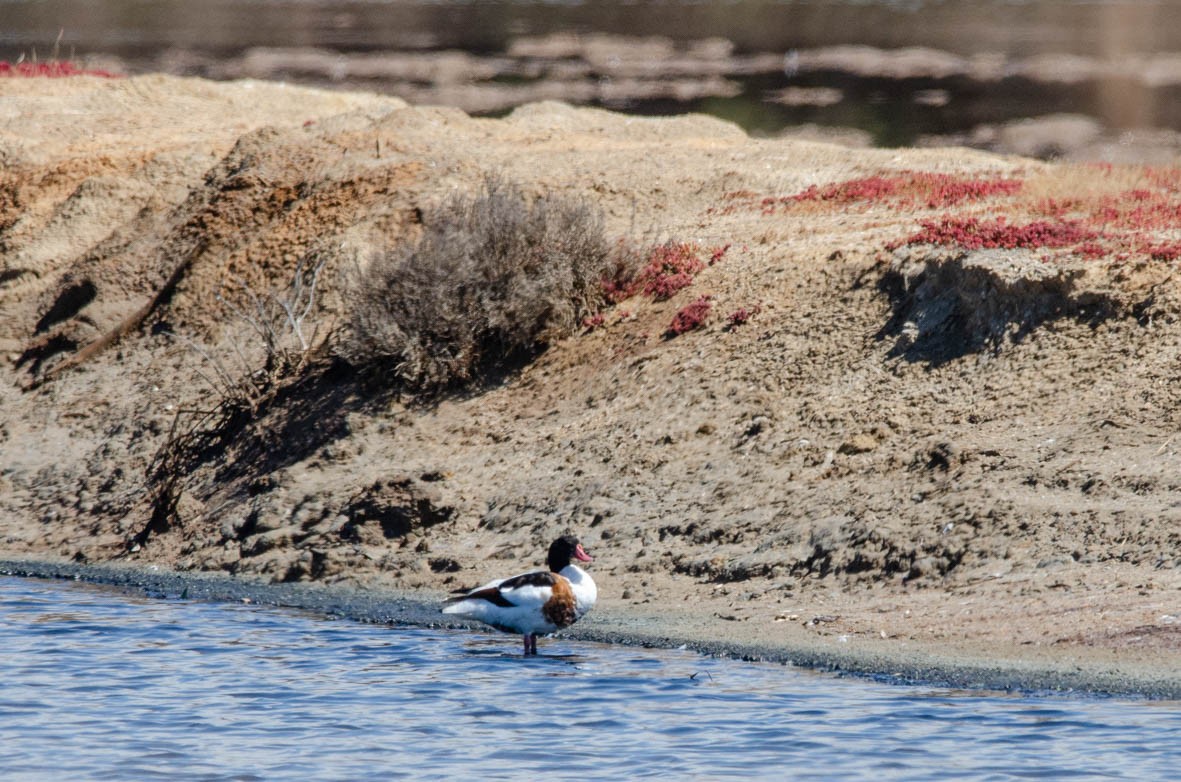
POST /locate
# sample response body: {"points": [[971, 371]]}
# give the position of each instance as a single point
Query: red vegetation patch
{"points": [[1144, 220], [974, 234], [1109, 213], [669, 268], [740, 316], [1166, 178], [874, 188], [914, 188], [666, 270], [594, 321], [1164, 252], [50, 70], [1132, 219], [691, 316], [909, 189], [1091, 250], [1151, 213]]}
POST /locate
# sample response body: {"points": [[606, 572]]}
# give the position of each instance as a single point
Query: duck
{"points": [[540, 602]]}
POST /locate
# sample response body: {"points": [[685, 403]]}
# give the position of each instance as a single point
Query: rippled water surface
{"points": [[102, 685]]}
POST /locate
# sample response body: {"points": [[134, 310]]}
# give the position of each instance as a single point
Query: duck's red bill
{"points": [[581, 555]]}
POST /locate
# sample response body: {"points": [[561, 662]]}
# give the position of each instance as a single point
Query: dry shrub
{"points": [[246, 378], [490, 282], [277, 344]]}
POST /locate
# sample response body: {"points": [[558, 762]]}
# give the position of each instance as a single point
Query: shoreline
{"points": [[928, 666]]}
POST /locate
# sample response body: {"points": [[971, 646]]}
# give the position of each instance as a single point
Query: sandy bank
{"points": [[946, 422]]}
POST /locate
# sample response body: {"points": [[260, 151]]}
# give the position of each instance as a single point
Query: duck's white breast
{"points": [[583, 586]]}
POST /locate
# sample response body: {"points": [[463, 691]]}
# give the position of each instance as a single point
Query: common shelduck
{"points": [[541, 602]]}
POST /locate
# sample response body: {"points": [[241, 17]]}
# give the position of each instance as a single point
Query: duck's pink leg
{"points": [[530, 643]]}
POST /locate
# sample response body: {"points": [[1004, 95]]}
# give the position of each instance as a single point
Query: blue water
{"points": [[101, 685]]}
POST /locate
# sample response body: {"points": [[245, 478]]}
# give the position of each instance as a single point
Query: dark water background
{"points": [[1110, 27], [1116, 61], [100, 685]]}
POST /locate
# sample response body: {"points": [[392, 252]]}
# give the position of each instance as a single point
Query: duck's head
{"points": [[564, 550]]}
